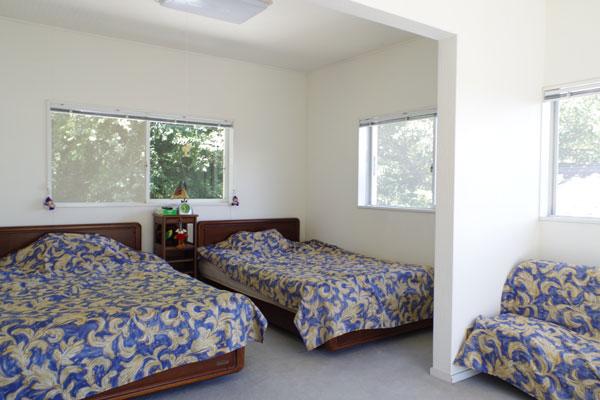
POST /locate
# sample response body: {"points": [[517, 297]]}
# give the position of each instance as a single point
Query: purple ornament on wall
{"points": [[49, 203]]}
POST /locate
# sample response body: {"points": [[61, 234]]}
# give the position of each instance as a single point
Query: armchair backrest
{"points": [[568, 295]]}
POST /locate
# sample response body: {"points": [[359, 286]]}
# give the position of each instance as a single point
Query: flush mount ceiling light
{"points": [[236, 11]]}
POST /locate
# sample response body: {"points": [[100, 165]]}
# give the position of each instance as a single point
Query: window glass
{"points": [[190, 153], [397, 160], [578, 165], [98, 159], [404, 164]]}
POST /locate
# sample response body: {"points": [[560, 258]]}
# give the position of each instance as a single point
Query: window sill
{"points": [[191, 202], [401, 209], [152, 204], [571, 220], [103, 205]]}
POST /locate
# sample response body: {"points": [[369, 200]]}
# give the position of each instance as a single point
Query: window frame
{"points": [[550, 148], [107, 111], [365, 183]]}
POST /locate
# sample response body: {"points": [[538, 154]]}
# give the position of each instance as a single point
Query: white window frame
{"points": [[170, 118], [550, 148], [366, 191]]}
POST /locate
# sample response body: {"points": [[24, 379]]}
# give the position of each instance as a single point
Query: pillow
{"points": [[67, 252], [263, 242]]}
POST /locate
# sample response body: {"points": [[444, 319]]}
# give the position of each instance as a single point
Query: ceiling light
{"points": [[236, 11]]}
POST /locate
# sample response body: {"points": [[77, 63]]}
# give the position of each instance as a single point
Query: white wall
{"points": [[570, 242], [572, 41], [38, 63], [489, 81], [400, 78]]}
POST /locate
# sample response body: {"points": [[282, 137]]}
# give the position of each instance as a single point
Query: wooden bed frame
{"points": [[211, 232], [130, 234], [15, 237]]}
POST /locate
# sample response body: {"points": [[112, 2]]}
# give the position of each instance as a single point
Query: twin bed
{"points": [[86, 314], [328, 296]]}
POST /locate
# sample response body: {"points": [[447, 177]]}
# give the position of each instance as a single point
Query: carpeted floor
{"points": [[396, 368]]}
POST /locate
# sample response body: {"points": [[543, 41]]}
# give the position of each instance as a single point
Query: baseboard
{"points": [[452, 378]]}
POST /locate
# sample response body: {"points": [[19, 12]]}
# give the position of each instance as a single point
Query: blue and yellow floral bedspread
{"points": [[332, 290], [546, 341], [82, 314]]}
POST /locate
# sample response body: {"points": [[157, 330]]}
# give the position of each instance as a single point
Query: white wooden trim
{"points": [[455, 377], [405, 209], [151, 204], [49, 155], [148, 163], [387, 118], [133, 113], [571, 220]]}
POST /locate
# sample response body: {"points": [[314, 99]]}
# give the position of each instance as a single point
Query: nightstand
{"points": [[165, 244]]}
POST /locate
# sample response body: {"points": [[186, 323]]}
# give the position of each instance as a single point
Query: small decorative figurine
{"points": [[182, 194], [235, 202], [180, 191], [49, 203], [181, 236]]}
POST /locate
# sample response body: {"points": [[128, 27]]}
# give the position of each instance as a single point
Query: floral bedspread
{"points": [[546, 341], [81, 314], [334, 291]]}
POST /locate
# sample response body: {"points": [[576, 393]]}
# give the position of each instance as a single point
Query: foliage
{"points": [[190, 153], [579, 136], [404, 163], [98, 159]]}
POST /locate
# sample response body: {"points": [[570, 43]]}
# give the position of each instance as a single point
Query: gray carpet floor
{"points": [[396, 368]]}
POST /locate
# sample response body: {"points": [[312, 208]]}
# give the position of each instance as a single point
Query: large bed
{"points": [[328, 296], [84, 314]]}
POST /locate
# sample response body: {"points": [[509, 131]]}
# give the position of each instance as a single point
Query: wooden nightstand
{"points": [[165, 245]]}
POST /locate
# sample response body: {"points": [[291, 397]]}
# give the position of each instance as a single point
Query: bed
{"points": [[328, 296], [86, 315]]}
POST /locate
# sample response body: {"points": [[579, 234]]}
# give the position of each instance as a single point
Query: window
{"points": [[573, 119], [100, 157], [192, 153], [397, 161]]}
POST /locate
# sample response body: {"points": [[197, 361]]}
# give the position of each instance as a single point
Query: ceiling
{"points": [[295, 34]]}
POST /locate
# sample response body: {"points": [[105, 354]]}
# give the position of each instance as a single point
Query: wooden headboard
{"points": [[16, 237], [211, 232]]}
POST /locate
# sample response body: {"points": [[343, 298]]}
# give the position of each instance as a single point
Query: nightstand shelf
{"points": [[187, 246], [183, 260], [165, 246]]}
